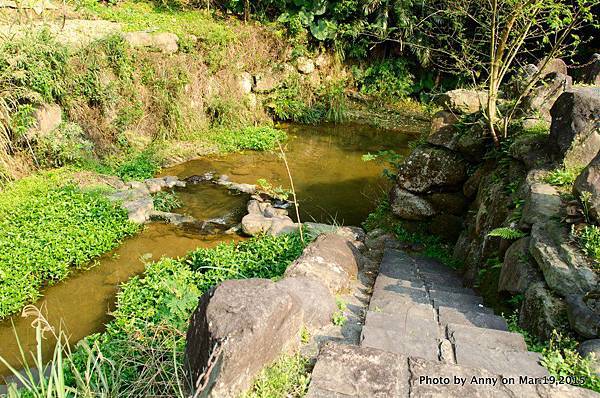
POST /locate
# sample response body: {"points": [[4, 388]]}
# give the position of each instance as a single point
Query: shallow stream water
{"points": [[333, 184]]}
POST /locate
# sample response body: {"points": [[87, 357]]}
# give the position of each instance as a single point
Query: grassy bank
{"points": [[141, 351], [50, 227]]}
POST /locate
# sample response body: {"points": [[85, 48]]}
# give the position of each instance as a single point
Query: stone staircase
{"points": [[425, 335]]}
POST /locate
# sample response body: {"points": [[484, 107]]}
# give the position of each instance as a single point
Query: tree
{"points": [[487, 40]]}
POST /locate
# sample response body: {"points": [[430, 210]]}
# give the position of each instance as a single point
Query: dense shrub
{"points": [[389, 79], [50, 226]]}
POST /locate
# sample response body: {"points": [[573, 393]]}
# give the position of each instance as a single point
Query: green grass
{"points": [[559, 355], [253, 138], [153, 310], [589, 241], [287, 377], [563, 177], [49, 227], [141, 15], [166, 201]]}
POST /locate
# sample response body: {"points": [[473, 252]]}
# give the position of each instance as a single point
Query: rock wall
{"points": [[484, 189]]}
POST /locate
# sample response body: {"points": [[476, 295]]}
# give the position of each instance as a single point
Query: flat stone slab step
{"points": [[351, 371], [395, 306], [411, 324], [421, 346], [383, 281], [462, 335], [442, 295], [471, 318], [403, 298], [506, 363], [463, 306]]}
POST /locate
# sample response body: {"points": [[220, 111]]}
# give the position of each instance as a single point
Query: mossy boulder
{"points": [[430, 169]]}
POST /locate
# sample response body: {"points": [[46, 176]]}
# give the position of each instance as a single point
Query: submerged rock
{"points": [[575, 130]]}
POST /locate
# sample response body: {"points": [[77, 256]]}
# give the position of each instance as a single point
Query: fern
{"points": [[507, 233]]}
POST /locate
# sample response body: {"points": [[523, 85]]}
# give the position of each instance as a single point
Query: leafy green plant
{"points": [[589, 240], [50, 226], [389, 157], [507, 233], [562, 177], [289, 376], [388, 80], [166, 201], [142, 166], [561, 358], [339, 317], [254, 138], [274, 192]]}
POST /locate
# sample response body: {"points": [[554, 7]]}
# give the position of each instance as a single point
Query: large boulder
{"points": [[463, 101], [531, 149], [554, 65], [429, 169], [546, 92], [541, 204], [519, 270], [409, 206], [591, 349], [575, 130], [316, 301], [565, 268], [592, 72], [240, 326], [331, 259], [542, 312], [453, 203], [470, 141], [589, 181], [584, 314]]}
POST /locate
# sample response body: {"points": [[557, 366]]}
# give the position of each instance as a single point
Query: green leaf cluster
{"points": [[49, 227]]}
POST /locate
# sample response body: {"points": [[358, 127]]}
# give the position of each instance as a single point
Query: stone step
{"points": [[403, 298], [461, 290], [394, 305], [385, 282], [351, 371], [421, 346], [464, 305], [506, 363], [448, 315], [436, 281], [422, 384], [411, 323], [442, 295], [429, 265], [462, 335]]}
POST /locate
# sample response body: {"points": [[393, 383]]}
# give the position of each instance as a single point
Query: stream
{"points": [[333, 184]]}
